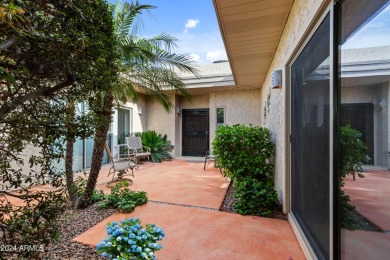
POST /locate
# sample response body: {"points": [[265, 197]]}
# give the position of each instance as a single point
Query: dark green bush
{"points": [[160, 147], [243, 151], [255, 197], [124, 200], [353, 151], [353, 156]]}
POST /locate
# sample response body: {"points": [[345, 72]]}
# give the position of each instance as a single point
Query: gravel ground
{"points": [[363, 223], [74, 223]]}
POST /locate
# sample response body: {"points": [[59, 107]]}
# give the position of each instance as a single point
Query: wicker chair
{"points": [[120, 168]]}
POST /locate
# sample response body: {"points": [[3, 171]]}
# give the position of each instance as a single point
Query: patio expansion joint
{"points": [[182, 205]]}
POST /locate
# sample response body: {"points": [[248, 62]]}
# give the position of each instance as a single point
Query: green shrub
{"points": [[80, 184], [160, 147], [353, 155], [243, 151], [353, 152], [124, 200], [255, 197]]}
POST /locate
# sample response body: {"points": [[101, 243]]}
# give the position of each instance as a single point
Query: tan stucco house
{"points": [[330, 76]]}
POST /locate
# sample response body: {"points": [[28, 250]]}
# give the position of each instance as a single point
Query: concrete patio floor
{"points": [[371, 197], [194, 232], [176, 181]]}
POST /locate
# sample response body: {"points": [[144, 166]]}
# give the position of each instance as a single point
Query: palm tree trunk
{"points": [[69, 154], [104, 116]]}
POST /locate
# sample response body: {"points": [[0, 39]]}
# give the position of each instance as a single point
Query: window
{"points": [[364, 82], [220, 117]]}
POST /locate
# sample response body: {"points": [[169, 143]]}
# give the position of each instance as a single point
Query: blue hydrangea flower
{"points": [[132, 235], [106, 239], [151, 254], [104, 254], [144, 237], [125, 238], [119, 238], [114, 223], [138, 238], [143, 255], [147, 250], [109, 244], [139, 249]]}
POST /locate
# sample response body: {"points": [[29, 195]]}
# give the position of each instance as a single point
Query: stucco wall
{"points": [[160, 120], [241, 107], [298, 22]]}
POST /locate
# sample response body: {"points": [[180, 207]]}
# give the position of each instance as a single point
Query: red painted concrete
{"points": [[193, 233], [371, 196], [177, 182], [364, 245]]}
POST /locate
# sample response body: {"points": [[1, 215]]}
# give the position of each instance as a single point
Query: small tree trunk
{"points": [[69, 155], [104, 116]]}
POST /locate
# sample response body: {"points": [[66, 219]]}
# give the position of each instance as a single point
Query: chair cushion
{"points": [[120, 166], [142, 154]]}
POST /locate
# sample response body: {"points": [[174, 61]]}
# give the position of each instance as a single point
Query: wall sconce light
{"points": [[139, 110], [382, 103], [177, 110], [276, 79]]}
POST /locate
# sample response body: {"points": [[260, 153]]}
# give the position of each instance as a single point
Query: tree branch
{"points": [[7, 108], [11, 41]]}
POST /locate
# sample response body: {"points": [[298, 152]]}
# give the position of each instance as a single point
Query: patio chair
{"points": [[209, 157], [120, 168], [136, 149]]}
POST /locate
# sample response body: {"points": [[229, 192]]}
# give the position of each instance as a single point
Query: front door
{"points": [[360, 117], [195, 132]]}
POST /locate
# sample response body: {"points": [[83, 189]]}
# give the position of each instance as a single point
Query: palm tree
{"points": [[146, 66]]}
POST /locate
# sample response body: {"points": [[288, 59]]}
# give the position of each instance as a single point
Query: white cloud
{"points": [[200, 44], [190, 24], [216, 55], [195, 57]]}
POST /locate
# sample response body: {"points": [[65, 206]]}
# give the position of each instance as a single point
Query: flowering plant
{"points": [[131, 240]]}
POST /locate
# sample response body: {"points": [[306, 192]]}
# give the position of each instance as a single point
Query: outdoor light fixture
{"points": [[139, 110], [382, 103], [276, 79], [177, 110]]}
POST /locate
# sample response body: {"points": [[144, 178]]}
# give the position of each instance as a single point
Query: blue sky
{"points": [[374, 33], [192, 22]]}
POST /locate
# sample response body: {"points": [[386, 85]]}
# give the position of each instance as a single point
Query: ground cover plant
{"points": [[124, 200], [244, 153], [130, 240]]}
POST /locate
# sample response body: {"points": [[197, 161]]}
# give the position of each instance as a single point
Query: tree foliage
{"points": [[145, 65], [50, 52]]}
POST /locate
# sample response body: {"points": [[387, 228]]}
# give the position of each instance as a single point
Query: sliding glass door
{"points": [[364, 94], [310, 95]]}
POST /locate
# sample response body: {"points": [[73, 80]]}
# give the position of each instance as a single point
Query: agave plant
{"points": [[160, 146]]}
